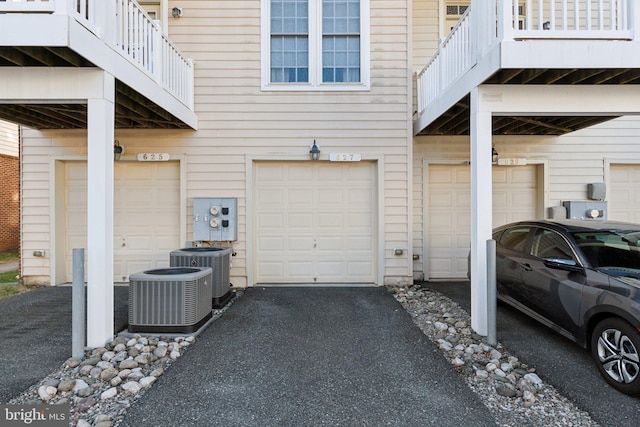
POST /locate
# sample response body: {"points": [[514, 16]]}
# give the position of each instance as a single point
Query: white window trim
{"points": [[315, 52]]}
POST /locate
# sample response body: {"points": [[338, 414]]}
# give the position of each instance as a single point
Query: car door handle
{"points": [[527, 267]]}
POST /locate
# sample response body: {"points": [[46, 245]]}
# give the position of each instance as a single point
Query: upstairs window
{"points": [[289, 41], [315, 45]]}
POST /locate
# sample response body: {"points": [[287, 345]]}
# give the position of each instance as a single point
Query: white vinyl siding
{"points": [[237, 120], [425, 35], [9, 143]]}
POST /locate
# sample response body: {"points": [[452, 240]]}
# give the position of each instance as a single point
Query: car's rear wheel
{"points": [[615, 346]]}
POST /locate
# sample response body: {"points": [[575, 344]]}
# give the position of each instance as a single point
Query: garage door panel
{"points": [[361, 243], [297, 198], [270, 220], [624, 195], [146, 215], [439, 176], [300, 270], [299, 219], [330, 243], [270, 269], [274, 243], [463, 200], [449, 217], [499, 176], [327, 216], [270, 198], [522, 176], [302, 243]]}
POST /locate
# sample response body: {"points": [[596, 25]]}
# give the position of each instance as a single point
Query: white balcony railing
{"points": [[488, 22], [124, 25]]}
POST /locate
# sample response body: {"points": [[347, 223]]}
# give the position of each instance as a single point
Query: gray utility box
{"points": [[215, 219], [587, 209], [170, 300], [215, 257]]}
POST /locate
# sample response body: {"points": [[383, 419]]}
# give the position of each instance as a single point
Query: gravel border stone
{"points": [[506, 385]]}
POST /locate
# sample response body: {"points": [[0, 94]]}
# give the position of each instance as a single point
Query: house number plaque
{"points": [[153, 157]]}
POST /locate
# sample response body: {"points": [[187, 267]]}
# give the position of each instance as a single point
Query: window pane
{"points": [[342, 54], [515, 238], [549, 244], [290, 17], [340, 41], [289, 41], [341, 16], [289, 59]]}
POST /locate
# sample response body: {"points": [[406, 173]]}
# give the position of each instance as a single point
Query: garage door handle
{"points": [[527, 267]]}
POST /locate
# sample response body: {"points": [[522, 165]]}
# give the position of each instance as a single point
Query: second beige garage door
{"points": [[449, 210], [624, 200], [146, 215], [315, 222]]}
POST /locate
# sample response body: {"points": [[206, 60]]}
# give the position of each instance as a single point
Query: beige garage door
{"points": [[624, 197], [315, 222], [146, 215], [449, 207]]}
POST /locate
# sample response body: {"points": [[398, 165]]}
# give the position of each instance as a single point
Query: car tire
{"points": [[615, 347]]}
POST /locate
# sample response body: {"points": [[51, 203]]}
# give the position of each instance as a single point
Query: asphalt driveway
{"points": [[558, 361], [35, 335], [311, 356]]}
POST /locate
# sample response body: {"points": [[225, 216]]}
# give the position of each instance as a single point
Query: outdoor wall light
{"points": [[176, 12], [117, 150], [494, 154], [314, 153]]}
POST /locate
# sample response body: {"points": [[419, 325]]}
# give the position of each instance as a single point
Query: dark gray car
{"points": [[581, 278]]}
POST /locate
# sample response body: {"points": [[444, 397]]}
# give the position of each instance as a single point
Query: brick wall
{"points": [[9, 203]]}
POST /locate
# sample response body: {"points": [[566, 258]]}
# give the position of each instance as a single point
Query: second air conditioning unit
{"points": [[170, 300], [218, 258]]}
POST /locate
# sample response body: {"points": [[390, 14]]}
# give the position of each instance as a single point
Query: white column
{"points": [[481, 209], [100, 129]]}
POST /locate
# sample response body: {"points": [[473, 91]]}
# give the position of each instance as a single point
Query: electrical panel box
{"points": [[215, 219], [596, 191], [588, 209]]}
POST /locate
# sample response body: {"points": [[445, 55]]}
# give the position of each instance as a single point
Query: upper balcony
{"points": [[154, 81], [528, 42]]}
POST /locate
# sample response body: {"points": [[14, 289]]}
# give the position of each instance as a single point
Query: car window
{"points": [[515, 238], [550, 244], [610, 248]]}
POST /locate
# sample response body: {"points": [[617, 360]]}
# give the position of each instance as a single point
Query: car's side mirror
{"points": [[563, 264]]}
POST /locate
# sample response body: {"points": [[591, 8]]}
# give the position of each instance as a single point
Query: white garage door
{"points": [[449, 207], [624, 198], [315, 222], [146, 215]]}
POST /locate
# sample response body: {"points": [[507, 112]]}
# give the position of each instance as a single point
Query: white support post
{"points": [[100, 128], [481, 209], [633, 10]]}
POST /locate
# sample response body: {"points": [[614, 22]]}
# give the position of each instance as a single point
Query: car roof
{"points": [[577, 225]]}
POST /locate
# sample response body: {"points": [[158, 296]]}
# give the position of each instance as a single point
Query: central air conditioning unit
{"points": [[169, 300], [218, 258]]}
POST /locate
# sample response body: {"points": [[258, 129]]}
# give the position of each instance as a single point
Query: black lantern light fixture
{"points": [[314, 153], [494, 154], [117, 150]]}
